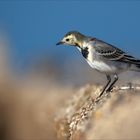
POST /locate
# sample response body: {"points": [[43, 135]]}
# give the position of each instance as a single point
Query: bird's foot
{"points": [[107, 95], [110, 89]]}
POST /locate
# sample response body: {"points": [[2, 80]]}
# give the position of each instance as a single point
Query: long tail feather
{"points": [[135, 67]]}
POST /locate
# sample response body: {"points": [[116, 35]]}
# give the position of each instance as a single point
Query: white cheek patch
{"points": [[71, 38], [90, 54]]}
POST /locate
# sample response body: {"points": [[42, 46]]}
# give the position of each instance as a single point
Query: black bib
{"points": [[85, 52]]}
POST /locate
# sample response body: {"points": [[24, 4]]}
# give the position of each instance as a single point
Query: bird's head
{"points": [[72, 38]]}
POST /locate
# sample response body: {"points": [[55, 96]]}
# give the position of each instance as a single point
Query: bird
{"points": [[102, 56]]}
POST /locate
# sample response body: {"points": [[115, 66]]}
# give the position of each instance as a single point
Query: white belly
{"points": [[104, 66], [108, 68]]}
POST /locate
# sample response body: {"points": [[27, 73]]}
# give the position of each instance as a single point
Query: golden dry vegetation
{"points": [[34, 108]]}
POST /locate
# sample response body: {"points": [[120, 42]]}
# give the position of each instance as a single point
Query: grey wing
{"points": [[110, 52]]}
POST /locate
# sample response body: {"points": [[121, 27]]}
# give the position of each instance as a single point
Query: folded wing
{"points": [[108, 51]]}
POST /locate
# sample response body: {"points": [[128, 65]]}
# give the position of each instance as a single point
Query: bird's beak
{"points": [[60, 43]]}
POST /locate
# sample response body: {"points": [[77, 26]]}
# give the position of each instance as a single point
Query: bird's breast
{"points": [[109, 67], [101, 66], [95, 62]]}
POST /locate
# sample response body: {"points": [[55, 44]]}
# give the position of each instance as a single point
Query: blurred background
{"points": [[31, 30], [34, 72]]}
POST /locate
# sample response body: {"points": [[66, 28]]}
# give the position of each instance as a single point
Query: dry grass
{"points": [[33, 111], [86, 118], [35, 108]]}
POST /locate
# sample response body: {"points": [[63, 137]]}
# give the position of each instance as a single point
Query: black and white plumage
{"points": [[102, 57], [113, 53]]}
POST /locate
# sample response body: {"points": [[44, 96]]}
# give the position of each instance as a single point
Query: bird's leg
{"points": [[111, 85], [109, 80]]}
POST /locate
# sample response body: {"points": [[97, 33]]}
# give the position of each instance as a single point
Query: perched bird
{"points": [[102, 57]]}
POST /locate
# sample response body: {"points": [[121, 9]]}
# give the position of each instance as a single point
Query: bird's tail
{"points": [[134, 62], [135, 67]]}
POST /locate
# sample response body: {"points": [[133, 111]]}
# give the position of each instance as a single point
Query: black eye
{"points": [[67, 39]]}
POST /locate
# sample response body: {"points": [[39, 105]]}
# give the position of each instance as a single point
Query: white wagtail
{"points": [[102, 57]]}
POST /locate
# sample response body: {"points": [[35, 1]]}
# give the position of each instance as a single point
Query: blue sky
{"points": [[33, 28]]}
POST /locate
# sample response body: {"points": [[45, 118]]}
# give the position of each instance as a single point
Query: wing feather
{"points": [[110, 52]]}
